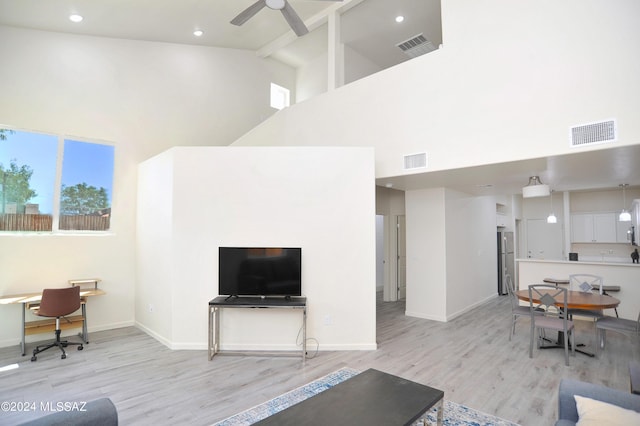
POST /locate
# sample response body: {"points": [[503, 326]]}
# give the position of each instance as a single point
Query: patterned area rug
{"points": [[454, 414]]}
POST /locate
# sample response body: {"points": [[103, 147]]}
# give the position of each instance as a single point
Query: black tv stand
{"points": [[223, 302]]}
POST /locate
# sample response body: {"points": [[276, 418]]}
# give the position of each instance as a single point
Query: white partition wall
{"points": [[194, 200]]}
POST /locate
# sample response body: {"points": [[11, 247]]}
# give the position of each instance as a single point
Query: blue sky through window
{"points": [[83, 162], [88, 163]]}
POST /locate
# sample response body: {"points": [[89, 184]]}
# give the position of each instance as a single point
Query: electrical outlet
{"points": [[150, 307], [327, 319]]}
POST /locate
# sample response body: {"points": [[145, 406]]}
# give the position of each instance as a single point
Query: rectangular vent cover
{"points": [[416, 46], [415, 161], [593, 133]]}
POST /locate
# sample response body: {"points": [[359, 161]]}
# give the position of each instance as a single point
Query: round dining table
{"points": [[575, 300]]}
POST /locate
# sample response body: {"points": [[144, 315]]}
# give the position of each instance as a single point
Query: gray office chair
{"points": [[543, 297], [58, 303], [620, 325]]}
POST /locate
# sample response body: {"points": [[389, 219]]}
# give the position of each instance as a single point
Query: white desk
{"points": [[32, 301]]}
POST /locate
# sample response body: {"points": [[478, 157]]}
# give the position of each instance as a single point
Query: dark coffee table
{"points": [[370, 398]]}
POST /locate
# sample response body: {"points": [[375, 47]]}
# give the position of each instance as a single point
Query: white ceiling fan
{"points": [[296, 24]]}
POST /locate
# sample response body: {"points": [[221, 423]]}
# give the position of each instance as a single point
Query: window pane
{"points": [[279, 96], [27, 180], [87, 179]]}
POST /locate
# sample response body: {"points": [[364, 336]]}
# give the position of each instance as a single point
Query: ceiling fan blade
{"points": [[248, 13], [294, 20]]}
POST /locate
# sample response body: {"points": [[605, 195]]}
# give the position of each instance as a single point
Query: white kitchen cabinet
{"points": [[593, 228]]}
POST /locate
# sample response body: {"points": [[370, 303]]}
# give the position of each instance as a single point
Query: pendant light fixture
{"points": [[552, 217], [625, 216], [535, 188]]}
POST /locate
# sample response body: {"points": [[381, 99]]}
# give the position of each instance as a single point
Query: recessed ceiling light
{"points": [[399, 18], [198, 33], [75, 18]]}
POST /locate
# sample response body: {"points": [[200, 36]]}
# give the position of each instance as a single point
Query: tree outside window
{"points": [[28, 176]]}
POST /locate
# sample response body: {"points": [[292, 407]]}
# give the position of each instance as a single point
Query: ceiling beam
{"points": [[312, 23]]}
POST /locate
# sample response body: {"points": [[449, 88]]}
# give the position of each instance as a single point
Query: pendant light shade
{"points": [[535, 188], [552, 217], [625, 216]]}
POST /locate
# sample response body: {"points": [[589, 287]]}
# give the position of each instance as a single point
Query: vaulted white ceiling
{"points": [[367, 26]]}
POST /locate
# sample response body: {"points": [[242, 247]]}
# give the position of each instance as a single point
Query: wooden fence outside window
{"points": [[44, 222]]}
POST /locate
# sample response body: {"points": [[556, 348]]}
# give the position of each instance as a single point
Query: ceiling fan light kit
{"points": [[535, 188], [275, 4]]}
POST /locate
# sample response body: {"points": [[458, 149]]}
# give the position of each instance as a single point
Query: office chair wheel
{"points": [[34, 358], [63, 356], [80, 347]]}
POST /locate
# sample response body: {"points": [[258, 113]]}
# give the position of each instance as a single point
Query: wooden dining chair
{"points": [[545, 314]]}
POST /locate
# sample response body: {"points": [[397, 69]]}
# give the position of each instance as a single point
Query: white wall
{"points": [[426, 254], [143, 98], [311, 78], [471, 250], [451, 252], [501, 89], [320, 199], [357, 66]]}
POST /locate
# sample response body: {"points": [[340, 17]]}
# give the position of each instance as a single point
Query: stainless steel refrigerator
{"points": [[506, 261]]}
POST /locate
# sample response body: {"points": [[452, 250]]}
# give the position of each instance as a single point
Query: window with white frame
{"points": [[49, 183], [279, 97]]}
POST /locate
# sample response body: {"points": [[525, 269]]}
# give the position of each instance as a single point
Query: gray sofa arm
{"points": [[100, 412], [567, 411]]}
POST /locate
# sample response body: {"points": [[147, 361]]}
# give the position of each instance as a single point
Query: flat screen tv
{"points": [[259, 271]]}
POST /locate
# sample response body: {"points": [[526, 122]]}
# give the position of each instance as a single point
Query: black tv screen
{"points": [[259, 271]]}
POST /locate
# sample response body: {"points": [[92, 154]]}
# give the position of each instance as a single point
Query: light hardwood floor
{"points": [[470, 358]]}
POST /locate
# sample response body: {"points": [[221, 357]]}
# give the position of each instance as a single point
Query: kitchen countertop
{"points": [[580, 262]]}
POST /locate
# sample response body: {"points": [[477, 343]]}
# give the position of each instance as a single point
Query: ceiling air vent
{"points": [[593, 133], [415, 161], [416, 46]]}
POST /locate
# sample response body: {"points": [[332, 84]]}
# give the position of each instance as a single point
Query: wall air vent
{"points": [[416, 46], [415, 161], [587, 134]]}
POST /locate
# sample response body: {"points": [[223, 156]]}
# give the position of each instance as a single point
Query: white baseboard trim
{"points": [[452, 316], [42, 337], [258, 348], [471, 307], [153, 334]]}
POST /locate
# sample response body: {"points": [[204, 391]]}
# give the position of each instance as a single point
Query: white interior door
{"points": [[401, 247], [544, 240]]}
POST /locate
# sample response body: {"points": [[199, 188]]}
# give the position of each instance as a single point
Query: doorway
{"points": [[391, 257], [544, 240]]}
